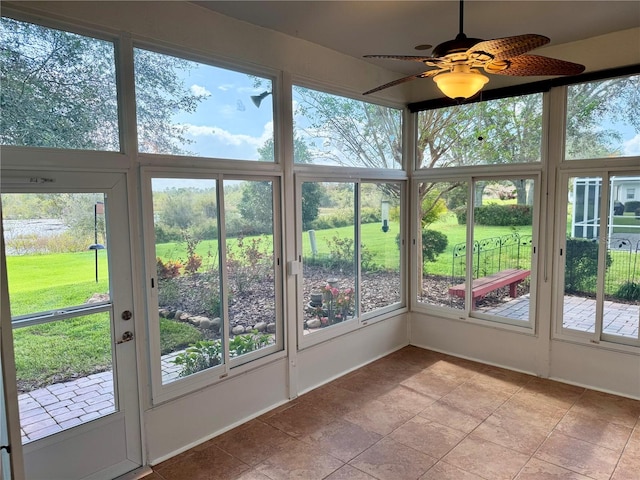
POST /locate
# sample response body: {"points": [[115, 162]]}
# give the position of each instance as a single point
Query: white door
{"points": [[10, 447], [68, 263]]}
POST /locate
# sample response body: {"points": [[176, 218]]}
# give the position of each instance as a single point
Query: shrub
{"points": [[250, 261], [166, 234], [199, 356], [632, 206], [629, 291], [241, 344], [341, 252], [581, 265], [433, 244], [168, 269], [341, 218], [498, 215]]}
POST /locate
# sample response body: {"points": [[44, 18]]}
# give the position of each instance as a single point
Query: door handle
{"points": [[126, 337]]}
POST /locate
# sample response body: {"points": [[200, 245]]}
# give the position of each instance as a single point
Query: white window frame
{"points": [[229, 368], [362, 320], [468, 314], [598, 336]]}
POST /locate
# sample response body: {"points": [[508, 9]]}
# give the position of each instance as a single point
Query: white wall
{"points": [[579, 364]]}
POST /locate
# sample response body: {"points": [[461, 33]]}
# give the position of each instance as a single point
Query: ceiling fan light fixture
{"points": [[461, 82]]}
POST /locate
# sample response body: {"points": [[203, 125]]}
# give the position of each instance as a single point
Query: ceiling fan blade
{"points": [[508, 47], [533, 65], [429, 73], [411, 58]]}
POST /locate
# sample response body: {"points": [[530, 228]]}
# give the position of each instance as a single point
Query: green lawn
{"points": [[57, 351]]}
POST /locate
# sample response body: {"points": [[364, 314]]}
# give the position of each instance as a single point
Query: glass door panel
{"points": [[190, 325], [581, 254], [251, 270], [380, 259], [502, 248], [601, 282], [621, 309], [58, 279], [329, 254], [442, 247]]}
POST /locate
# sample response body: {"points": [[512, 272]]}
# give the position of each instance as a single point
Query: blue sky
{"points": [[226, 123]]}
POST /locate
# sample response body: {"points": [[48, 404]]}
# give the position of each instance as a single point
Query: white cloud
{"points": [[232, 139], [225, 87], [200, 91], [632, 147]]}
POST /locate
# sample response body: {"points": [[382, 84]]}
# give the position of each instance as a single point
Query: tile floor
{"points": [[417, 414]]}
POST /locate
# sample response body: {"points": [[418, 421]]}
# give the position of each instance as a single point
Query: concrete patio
{"points": [[64, 405]]}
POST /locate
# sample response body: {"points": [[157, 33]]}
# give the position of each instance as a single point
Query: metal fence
{"points": [[624, 268], [491, 255]]}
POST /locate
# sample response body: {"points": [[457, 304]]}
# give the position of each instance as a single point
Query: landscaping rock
{"points": [[260, 326], [215, 324], [271, 328], [197, 320], [314, 323], [237, 330], [205, 323], [248, 329]]}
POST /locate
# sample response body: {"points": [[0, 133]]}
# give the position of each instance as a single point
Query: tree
{"points": [[312, 193], [256, 207], [59, 90]]}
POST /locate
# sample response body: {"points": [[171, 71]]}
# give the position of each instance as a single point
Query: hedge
{"points": [[498, 215]]}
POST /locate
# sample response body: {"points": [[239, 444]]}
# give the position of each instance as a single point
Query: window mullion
{"points": [[224, 283]]}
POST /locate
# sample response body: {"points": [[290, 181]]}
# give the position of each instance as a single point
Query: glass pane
{"points": [[495, 132], [443, 245], [57, 258], [502, 240], [602, 119], [185, 213], [380, 245], [191, 108], [56, 250], [622, 280], [250, 265], [581, 254], [334, 130], [329, 254], [58, 89]]}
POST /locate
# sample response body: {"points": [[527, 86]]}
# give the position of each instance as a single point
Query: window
{"points": [[602, 119], [484, 266], [217, 294], [505, 131], [351, 237], [194, 109], [476, 240], [601, 298], [631, 193], [58, 89], [340, 131]]}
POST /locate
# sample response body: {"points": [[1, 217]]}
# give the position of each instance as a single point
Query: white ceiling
{"points": [[357, 28]]}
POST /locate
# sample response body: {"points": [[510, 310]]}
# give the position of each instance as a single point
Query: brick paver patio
{"points": [[63, 405]]}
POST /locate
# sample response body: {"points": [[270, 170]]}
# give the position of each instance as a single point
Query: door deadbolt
{"points": [[126, 315], [126, 337]]}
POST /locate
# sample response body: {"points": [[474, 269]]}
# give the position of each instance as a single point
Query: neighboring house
{"points": [[585, 219]]}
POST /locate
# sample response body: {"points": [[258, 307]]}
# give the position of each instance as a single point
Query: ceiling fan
{"points": [[457, 62]]}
